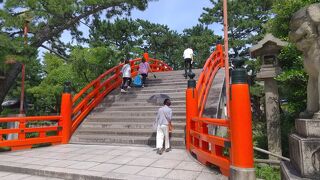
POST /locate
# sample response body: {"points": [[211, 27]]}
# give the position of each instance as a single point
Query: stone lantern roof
{"points": [[269, 45], [268, 49]]}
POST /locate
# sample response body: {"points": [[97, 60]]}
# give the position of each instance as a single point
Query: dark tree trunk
{"points": [[9, 80]]}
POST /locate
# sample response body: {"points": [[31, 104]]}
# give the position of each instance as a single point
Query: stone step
{"points": [[128, 125], [127, 118], [137, 108], [153, 88], [157, 90], [144, 97], [103, 118], [107, 103], [166, 79], [140, 113], [196, 71], [127, 132], [117, 139], [169, 78], [168, 84]]}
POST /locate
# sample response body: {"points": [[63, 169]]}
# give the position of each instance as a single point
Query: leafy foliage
{"points": [[122, 34], [293, 79], [245, 19], [283, 11], [46, 21]]}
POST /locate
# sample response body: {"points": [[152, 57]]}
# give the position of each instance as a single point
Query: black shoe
{"points": [[159, 151], [168, 150]]}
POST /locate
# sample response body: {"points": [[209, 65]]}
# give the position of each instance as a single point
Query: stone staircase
{"points": [[127, 118]]}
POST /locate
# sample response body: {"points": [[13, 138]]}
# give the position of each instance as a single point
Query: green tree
{"points": [[89, 63], [154, 36], [84, 65], [47, 94], [283, 11], [245, 19], [122, 34], [47, 20]]}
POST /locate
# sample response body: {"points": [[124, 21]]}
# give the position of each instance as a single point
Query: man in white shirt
{"points": [[162, 123], [188, 60]]}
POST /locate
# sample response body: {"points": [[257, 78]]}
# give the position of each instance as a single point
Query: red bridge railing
{"points": [[235, 150], [36, 130]]}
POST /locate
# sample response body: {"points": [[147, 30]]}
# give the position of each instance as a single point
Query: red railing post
{"points": [[66, 112], [242, 165], [191, 108]]}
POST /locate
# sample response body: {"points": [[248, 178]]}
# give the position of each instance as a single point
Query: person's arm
{"points": [[192, 54], [157, 117], [169, 115]]}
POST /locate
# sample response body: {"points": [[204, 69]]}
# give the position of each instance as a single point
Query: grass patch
{"points": [[267, 172]]}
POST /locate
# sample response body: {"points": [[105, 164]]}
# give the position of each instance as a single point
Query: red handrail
{"points": [[73, 110], [206, 147], [23, 130]]}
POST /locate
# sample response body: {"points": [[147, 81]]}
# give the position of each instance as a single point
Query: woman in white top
{"points": [[126, 76]]}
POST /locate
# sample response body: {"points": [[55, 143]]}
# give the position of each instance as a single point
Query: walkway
{"points": [[75, 161]]}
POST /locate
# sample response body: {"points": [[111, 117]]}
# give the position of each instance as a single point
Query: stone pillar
{"points": [[273, 116], [304, 147]]}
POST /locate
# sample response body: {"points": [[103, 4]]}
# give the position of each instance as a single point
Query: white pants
{"points": [[163, 134]]}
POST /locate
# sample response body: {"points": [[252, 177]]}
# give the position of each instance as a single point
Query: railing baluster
{"points": [[22, 126]]}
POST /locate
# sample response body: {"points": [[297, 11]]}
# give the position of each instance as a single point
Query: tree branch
{"points": [[48, 31], [53, 51]]}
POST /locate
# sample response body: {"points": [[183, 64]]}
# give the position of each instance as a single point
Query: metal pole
{"points": [[272, 154], [226, 50], [25, 34], [22, 90]]}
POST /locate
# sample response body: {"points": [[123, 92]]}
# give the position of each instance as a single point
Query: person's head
{"points": [[167, 102], [121, 60], [143, 59], [126, 61]]}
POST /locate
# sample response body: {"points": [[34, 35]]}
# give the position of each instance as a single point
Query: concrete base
{"points": [[289, 173], [242, 173], [308, 127], [305, 155]]}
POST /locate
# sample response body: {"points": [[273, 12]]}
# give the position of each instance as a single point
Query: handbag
{"points": [[170, 127]]}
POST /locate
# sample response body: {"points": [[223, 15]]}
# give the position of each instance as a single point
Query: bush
{"points": [[267, 172]]}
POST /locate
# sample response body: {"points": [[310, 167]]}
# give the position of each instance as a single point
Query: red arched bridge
{"points": [[230, 152]]}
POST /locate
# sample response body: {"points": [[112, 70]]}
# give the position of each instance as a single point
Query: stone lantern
{"points": [[268, 49]]}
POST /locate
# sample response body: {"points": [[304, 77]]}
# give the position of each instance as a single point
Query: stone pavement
{"points": [[16, 176], [75, 161]]}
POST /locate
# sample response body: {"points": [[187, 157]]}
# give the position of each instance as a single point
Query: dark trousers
{"points": [[144, 77], [186, 63], [125, 82]]}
